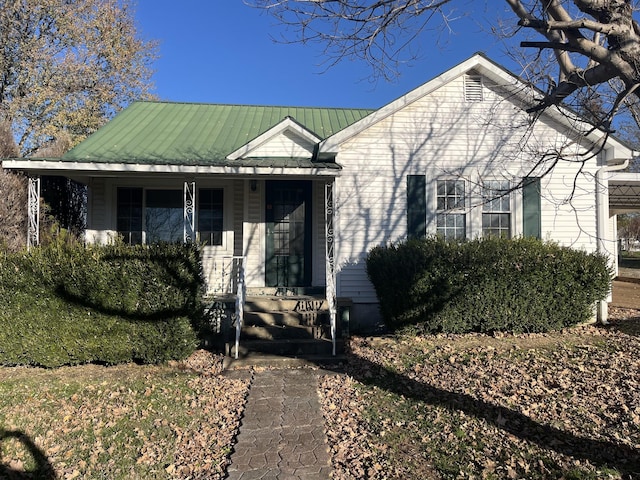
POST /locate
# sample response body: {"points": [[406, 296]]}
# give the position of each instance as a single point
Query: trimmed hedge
{"points": [[487, 285], [69, 304]]}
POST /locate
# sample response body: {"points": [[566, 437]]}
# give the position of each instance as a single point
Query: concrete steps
{"points": [[287, 326]]}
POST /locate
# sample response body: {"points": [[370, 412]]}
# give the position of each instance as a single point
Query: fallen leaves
{"points": [[558, 405], [127, 421]]}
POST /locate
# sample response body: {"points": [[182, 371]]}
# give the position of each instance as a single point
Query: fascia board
{"points": [[624, 178], [40, 167], [288, 124]]}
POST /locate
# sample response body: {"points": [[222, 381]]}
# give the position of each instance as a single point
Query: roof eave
{"points": [[97, 169]]}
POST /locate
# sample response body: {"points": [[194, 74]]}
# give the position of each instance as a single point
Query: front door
{"points": [[288, 217]]}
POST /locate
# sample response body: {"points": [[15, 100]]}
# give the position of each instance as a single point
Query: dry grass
{"points": [[126, 421]]}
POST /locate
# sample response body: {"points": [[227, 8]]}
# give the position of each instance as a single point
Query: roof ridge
{"points": [[249, 105]]}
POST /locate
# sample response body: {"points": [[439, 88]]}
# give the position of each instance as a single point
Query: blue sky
{"points": [[221, 51]]}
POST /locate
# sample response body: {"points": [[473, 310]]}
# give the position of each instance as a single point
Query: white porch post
{"points": [[33, 212], [330, 260], [189, 211]]}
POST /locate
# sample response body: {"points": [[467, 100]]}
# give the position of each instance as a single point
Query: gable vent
{"points": [[473, 88]]}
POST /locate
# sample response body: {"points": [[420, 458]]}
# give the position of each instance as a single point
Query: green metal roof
{"points": [[197, 134]]}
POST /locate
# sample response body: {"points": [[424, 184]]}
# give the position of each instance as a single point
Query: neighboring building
{"points": [[297, 191]]}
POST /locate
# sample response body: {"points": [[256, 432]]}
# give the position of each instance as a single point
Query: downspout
{"points": [[602, 221]]}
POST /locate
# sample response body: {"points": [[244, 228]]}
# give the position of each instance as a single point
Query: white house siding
{"points": [[286, 144], [442, 136], [98, 220], [254, 234]]}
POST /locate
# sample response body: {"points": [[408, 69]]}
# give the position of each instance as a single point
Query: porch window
{"points": [[148, 216], [450, 218], [129, 215], [496, 209], [164, 216], [210, 215]]}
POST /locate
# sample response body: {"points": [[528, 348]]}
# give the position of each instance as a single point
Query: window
{"points": [[451, 219], [496, 209], [129, 215], [157, 215], [210, 215], [164, 216]]}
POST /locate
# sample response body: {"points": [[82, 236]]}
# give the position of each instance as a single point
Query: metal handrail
{"points": [[240, 300]]}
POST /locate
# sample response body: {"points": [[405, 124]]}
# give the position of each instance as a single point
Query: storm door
{"points": [[288, 247]]}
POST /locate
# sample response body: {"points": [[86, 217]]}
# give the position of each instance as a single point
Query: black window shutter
{"points": [[416, 206], [532, 212]]}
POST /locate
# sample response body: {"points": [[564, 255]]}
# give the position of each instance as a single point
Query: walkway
{"points": [[282, 431]]}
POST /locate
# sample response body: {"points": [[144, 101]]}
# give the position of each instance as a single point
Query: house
{"points": [[297, 196]]}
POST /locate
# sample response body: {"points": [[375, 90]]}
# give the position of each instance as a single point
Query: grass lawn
{"points": [[548, 406], [126, 421], [563, 405]]}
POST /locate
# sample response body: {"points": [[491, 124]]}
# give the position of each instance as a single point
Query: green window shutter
{"points": [[532, 212], [416, 206]]}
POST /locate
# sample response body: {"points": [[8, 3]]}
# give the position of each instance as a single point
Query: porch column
{"points": [[189, 204], [33, 212], [330, 259]]}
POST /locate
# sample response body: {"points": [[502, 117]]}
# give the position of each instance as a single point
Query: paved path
{"points": [[282, 432]]}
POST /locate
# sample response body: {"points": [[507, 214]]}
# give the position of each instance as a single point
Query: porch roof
{"points": [[161, 133]]}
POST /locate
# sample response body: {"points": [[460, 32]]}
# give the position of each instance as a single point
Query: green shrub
{"points": [[69, 304], [519, 285]]}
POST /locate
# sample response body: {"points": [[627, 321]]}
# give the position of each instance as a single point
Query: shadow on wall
{"points": [[43, 469]]}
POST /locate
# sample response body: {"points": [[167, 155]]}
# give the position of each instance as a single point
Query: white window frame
{"points": [[459, 211], [489, 204]]}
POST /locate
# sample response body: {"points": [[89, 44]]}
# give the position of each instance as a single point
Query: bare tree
{"points": [[593, 42]]}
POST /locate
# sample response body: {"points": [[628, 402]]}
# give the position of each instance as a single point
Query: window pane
{"points": [[451, 226], [450, 194], [496, 224], [210, 215], [164, 216], [496, 196], [129, 214]]}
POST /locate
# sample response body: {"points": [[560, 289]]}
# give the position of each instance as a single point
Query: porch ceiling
{"points": [[624, 192]]}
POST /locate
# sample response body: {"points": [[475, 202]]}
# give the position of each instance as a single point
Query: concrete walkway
{"points": [[282, 432]]}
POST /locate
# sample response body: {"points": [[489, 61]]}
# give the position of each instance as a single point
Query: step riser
{"points": [[287, 348], [284, 319], [297, 305], [284, 333]]}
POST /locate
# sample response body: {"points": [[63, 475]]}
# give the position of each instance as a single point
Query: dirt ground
{"points": [[626, 286], [626, 293]]}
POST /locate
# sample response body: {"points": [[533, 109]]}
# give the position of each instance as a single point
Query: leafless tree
{"points": [[593, 42]]}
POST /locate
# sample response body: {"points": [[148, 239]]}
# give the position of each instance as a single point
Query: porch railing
{"points": [[240, 299], [226, 278], [223, 274]]}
